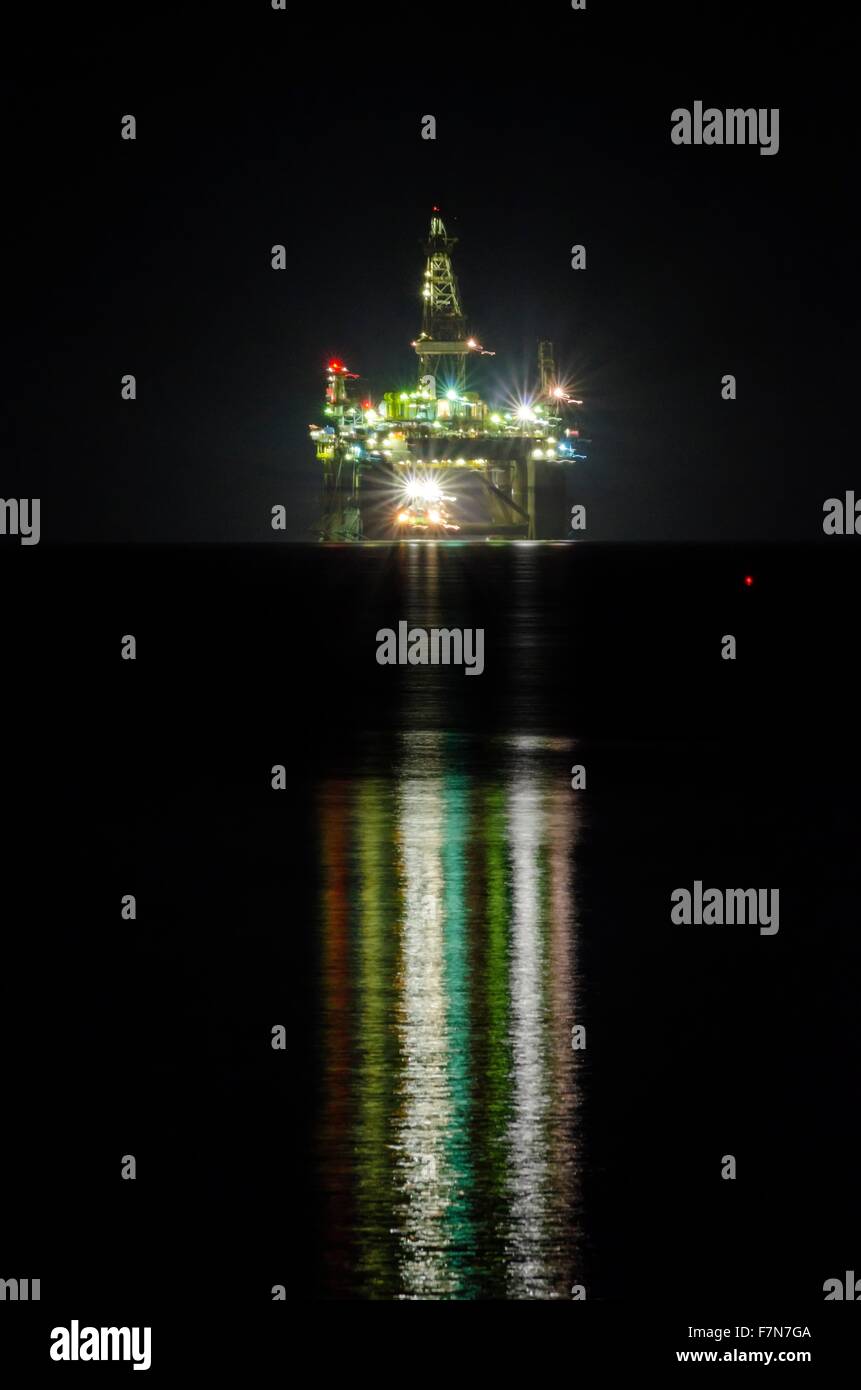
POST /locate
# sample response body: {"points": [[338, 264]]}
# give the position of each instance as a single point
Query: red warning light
{"points": [[434, 208], [336, 366], [748, 581]]}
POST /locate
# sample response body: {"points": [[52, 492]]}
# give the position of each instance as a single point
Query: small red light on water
{"points": [[748, 581]]}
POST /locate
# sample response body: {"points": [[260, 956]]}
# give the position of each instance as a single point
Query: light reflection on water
{"points": [[449, 1150]]}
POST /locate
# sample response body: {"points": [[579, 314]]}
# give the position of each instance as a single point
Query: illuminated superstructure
{"points": [[385, 456]]}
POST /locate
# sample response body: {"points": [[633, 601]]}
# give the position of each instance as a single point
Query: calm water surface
{"points": [[448, 1149], [429, 909]]}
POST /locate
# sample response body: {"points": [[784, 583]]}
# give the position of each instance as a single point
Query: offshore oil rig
{"points": [[436, 461]]}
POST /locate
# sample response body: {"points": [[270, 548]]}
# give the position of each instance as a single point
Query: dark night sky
{"points": [[153, 258]]}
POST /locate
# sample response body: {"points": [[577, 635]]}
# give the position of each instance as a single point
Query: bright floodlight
{"points": [[422, 490], [524, 412], [451, 395]]}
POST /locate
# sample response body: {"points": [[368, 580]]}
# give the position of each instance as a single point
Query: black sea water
{"points": [[508, 1073]]}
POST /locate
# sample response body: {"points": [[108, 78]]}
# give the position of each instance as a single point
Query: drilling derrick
{"points": [[442, 346]]}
